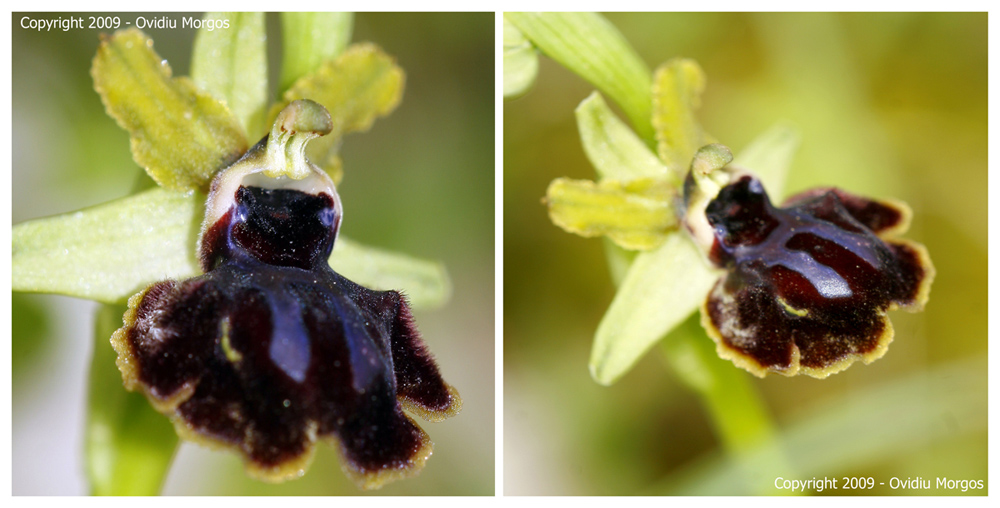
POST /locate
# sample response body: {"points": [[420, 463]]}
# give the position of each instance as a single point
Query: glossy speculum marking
{"points": [[271, 350], [807, 286]]}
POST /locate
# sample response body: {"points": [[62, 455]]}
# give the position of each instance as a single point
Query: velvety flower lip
{"points": [[271, 350], [808, 285]]}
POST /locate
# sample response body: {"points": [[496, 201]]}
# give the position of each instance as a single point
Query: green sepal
{"points": [[425, 283], [360, 85], [612, 147], [128, 445], [112, 251], [619, 260], [520, 61], [309, 39], [677, 88], [179, 133], [661, 289], [769, 156], [636, 214], [231, 64], [594, 49]]}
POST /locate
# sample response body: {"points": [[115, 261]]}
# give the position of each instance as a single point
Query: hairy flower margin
{"points": [[183, 130], [271, 350], [663, 276]]}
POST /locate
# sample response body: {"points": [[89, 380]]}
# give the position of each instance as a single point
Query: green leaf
{"points": [[867, 426], [359, 86], [129, 445], [677, 88], [593, 48], [769, 156], [309, 39], [180, 134], [612, 147], [520, 61], [231, 64], [636, 214], [425, 283], [662, 288], [109, 252]]}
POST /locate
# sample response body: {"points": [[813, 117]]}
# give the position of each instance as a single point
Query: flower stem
{"points": [[129, 446], [738, 412]]}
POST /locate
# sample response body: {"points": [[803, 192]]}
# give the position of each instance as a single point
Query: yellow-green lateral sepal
{"points": [[359, 86], [129, 445], [612, 147], [662, 288], [636, 214], [180, 134], [231, 64], [425, 283], [109, 252], [520, 61], [677, 87]]}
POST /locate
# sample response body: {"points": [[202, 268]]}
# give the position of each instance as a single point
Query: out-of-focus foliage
{"points": [[520, 61], [590, 46], [421, 182], [887, 105]]}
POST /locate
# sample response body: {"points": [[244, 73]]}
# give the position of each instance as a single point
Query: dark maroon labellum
{"points": [[271, 349], [808, 286]]}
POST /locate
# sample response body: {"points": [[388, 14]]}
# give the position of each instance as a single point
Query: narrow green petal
{"points": [[309, 39], [129, 445], [677, 87], [361, 85], [637, 214], [593, 48], [520, 61], [109, 252], [180, 134], [612, 147], [231, 64], [662, 288], [425, 283], [769, 156]]}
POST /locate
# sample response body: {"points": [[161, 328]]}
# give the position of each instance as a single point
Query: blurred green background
{"points": [[888, 105], [420, 182]]}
